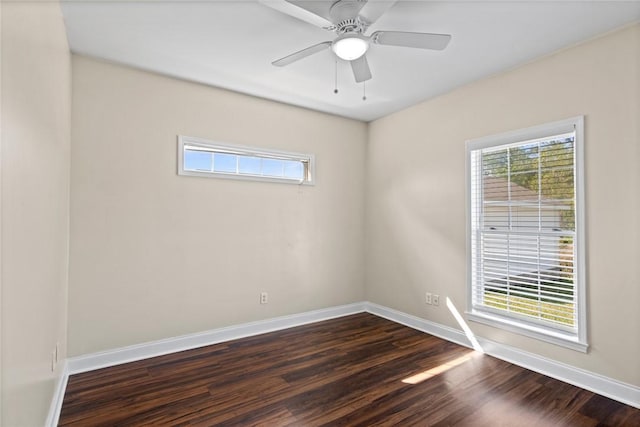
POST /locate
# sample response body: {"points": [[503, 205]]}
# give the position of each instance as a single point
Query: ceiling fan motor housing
{"points": [[353, 25], [344, 13]]}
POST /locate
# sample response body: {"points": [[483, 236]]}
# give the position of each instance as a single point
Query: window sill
{"points": [[532, 331], [247, 177]]}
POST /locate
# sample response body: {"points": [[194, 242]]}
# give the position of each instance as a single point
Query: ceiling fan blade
{"points": [[361, 69], [374, 9], [322, 8], [417, 40], [301, 54], [297, 12]]}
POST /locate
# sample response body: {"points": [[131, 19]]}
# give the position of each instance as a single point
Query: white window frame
{"points": [[573, 340], [218, 147]]}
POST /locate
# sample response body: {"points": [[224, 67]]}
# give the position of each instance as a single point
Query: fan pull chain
{"points": [[335, 90], [364, 91]]}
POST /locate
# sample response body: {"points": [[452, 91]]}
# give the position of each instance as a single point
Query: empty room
{"points": [[305, 213]]}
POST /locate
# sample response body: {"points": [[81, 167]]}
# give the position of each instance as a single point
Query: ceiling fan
{"points": [[350, 19]]}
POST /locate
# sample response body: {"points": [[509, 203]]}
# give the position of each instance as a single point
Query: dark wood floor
{"points": [[347, 371]]}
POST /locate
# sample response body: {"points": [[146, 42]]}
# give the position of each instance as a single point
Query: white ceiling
{"points": [[231, 44]]}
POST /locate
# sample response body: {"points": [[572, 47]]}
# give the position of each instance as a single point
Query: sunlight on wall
{"points": [[467, 331]]}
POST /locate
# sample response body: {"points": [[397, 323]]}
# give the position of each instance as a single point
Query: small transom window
{"points": [[199, 157]]}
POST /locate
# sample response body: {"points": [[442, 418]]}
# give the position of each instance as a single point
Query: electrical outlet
{"points": [[427, 298], [436, 299], [264, 298]]}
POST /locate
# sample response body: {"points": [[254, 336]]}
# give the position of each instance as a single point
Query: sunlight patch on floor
{"points": [[422, 376]]}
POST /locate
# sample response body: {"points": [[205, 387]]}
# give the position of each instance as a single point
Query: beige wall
{"points": [[416, 193], [36, 108], [156, 255], [1, 131]]}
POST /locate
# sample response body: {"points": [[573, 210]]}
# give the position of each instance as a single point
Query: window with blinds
{"points": [[199, 157], [524, 257]]}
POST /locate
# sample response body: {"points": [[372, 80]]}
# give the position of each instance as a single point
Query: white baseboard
{"points": [[613, 389], [58, 396], [596, 383], [432, 328], [146, 350], [609, 387]]}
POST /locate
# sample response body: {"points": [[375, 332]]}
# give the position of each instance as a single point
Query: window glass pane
{"points": [[249, 165], [557, 184], [523, 158], [197, 160], [557, 153], [224, 162], [495, 163], [568, 216], [525, 217], [524, 186], [495, 189], [557, 216], [272, 167], [496, 217], [293, 169]]}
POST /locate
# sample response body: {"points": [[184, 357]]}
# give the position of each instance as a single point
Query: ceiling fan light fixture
{"points": [[350, 46]]}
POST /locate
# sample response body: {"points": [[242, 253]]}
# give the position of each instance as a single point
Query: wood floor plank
{"points": [[350, 371]]}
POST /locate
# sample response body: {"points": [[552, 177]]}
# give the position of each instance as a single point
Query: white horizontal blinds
{"points": [[523, 230]]}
